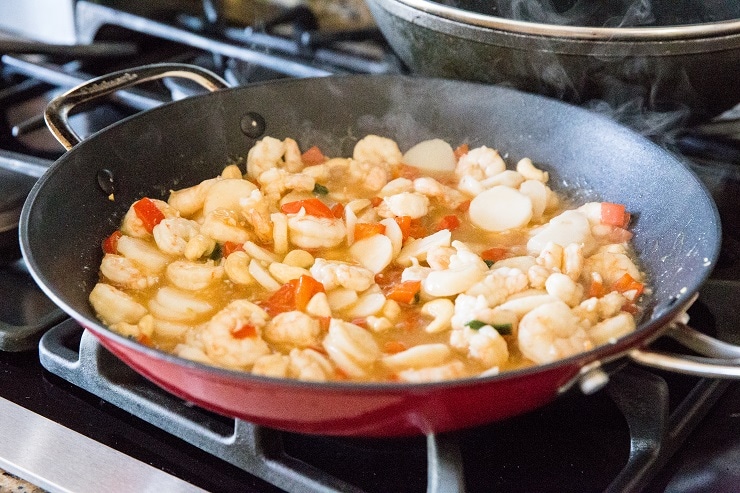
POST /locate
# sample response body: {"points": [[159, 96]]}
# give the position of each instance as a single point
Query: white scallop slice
{"points": [[500, 208], [374, 252], [431, 155]]}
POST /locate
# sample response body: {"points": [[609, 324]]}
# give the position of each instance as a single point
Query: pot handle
{"points": [[720, 359], [57, 111]]}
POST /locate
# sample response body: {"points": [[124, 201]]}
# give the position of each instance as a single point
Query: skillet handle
{"points": [[722, 360], [57, 111]]}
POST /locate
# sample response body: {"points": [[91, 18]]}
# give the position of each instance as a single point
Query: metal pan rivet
{"points": [[106, 181], [252, 125]]}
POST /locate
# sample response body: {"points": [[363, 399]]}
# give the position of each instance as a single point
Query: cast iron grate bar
{"points": [[254, 449]]}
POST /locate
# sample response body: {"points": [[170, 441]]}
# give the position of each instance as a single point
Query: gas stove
{"points": [[77, 419]]}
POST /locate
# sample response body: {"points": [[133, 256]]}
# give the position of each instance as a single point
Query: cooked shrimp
{"points": [[143, 253], [396, 186], [376, 150], [173, 234], [612, 262], [134, 227], [223, 225], [369, 176], [275, 182], [448, 196], [176, 305], [293, 329], [232, 337], [438, 257], [351, 347], [271, 365], [333, 274], [412, 204], [480, 163], [485, 345], [498, 284], [551, 332], [194, 276], [594, 310], [565, 288], [447, 371], [310, 365], [466, 268], [272, 153], [114, 306], [126, 273], [190, 200], [306, 231]]}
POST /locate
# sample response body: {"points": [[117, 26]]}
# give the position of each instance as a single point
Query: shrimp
{"points": [[370, 176], [175, 305], [498, 284], [194, 276], [223, 225], [466, 268], [398, 185], [173, 234], [485, 345], [310, 365], [612, 262], [448, 196], [475, 308], [412, 204], [142, 330], [551, 332], [145, 254], [447, 371], [293, 329], [114, 306], [594, 310], [232, 337], [565, 288], [275, 182], [134, 227], [256, 210], [377, 150], [125, 273], [334, 274], [438, 258], [352, 348], [272, 153], [188, 201], [306, 231], [480, 163]]}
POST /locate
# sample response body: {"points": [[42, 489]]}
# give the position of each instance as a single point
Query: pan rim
{"points": [[633, 34], [647, 329]]}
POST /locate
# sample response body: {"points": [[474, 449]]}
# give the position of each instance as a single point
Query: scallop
{"points": [[500, 208], [431, 155], [374, 253]]}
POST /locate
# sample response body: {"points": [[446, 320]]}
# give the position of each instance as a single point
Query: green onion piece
{"points": [[217, 253], [319, 189], [489, 263], [503, 329]]}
